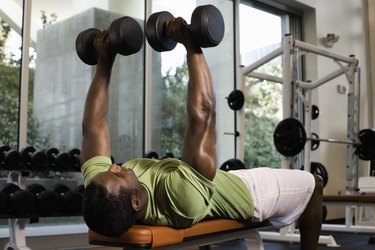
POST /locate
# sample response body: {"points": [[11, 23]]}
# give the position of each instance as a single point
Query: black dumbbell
{"points": [[3, 204], [207, 28], [167, 155], [70, 199], [46, 201], [20, 202], [232, 164], [10, 159], [125, 35], [151, 155], [74, 154], [34, 159], [59, 161]]}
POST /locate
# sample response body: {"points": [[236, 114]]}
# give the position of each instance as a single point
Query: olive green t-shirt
{"points": [[178, 195]]}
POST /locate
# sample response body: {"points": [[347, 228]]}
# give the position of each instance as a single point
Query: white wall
{"points": [[347, 19]]}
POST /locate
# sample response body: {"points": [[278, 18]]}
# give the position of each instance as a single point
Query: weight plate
{"points": [[155, 32], [207, 26], [236, 99], [126, 35], [27, 151], [12, 160], [151, 155], [22, 203], [289, 137], [319, 169], [366, 149], [314, 112], [314, 143], [39, 160], [85, 46], [35, 189], [232, 164]]}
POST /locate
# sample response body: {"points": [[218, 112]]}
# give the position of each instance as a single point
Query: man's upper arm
{"points": [[95, 142]]}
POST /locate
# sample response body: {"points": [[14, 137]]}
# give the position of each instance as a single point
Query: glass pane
{"points": [[263, 107], [169, 84], [62, 79], [10, 56]]}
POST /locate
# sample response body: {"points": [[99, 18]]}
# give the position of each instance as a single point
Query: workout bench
{"points": [[202, 234], [351, 202]]}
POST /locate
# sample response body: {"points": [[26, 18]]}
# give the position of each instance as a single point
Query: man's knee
{"points": [[318, 185]]}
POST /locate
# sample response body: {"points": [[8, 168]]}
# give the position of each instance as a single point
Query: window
{"points": [[261, 31], [169, 82]]}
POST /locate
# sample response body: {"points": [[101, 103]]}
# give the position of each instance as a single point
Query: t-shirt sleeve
{"points": [[188, 196], [93, 167]]}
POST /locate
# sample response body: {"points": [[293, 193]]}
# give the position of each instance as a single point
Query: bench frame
{"points": [[202, 234]]}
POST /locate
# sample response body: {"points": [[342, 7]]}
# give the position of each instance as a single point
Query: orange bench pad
{"points": [[156, 236]]}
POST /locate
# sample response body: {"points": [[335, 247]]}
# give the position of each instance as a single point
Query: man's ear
{"points": [[135, 203]]}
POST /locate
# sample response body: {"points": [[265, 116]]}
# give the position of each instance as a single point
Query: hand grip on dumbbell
{"points": [[10, 159], [207, 28], [125, 35], [34, 159]]}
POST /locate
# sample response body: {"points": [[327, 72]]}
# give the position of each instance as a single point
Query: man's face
{"points": [[117, 177]]}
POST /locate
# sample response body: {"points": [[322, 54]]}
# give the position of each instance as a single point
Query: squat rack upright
{"points": [[297, 103]]}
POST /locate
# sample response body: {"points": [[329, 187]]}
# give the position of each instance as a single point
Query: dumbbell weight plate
{"points": [[38, 160], [22, 201], [47, 201], [74, 154], [151, 155], [125, 35], [232, 164], [155, 32], [63, 162], [3, 204], [61, 189], [207, 26], [11, 158], [85, 46], [72, 202]]}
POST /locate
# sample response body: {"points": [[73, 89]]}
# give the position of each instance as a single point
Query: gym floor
{"points": [[347, 241]]}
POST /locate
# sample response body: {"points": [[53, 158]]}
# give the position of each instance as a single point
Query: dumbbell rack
{"points": [[17, 238], [19, 170], [295, 93]]}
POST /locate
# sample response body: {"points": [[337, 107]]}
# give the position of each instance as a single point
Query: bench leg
{"points": [[254, 241]]}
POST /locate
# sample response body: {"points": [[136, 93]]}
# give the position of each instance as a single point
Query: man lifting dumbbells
{"points": [[180, 193]]}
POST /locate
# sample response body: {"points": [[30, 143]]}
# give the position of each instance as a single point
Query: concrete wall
{"points": [[62, 81]]}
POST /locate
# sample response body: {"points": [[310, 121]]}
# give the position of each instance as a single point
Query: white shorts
{"points": [[280, 195]]}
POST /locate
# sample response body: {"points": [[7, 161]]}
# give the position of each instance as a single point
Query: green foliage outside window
{"points": [[262, 108], [9, 96], [174, 110], [262, 113]]}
